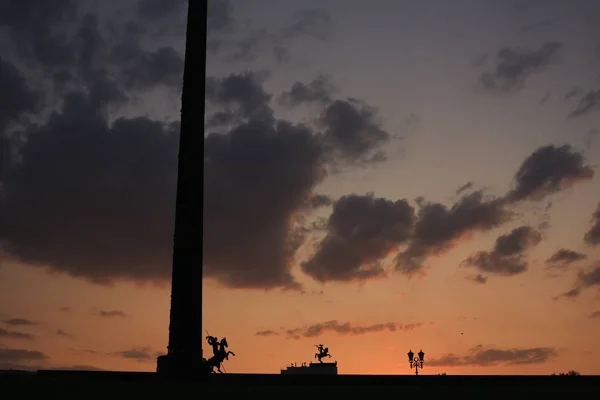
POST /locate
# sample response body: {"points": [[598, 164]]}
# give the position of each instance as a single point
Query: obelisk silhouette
{"points": [[184, 357]]}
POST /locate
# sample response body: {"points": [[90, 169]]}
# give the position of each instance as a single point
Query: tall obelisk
{"points": [[184, 356]]}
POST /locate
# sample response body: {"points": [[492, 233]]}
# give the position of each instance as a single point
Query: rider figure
{"points": [[323, 352], [214, 343]]}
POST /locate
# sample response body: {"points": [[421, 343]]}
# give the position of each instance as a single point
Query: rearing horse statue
{"points": [[220, 353], [323, 352]]}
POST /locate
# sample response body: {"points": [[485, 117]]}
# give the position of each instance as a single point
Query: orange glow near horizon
{"points": [[103, 342]]}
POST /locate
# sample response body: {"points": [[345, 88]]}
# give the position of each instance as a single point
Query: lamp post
{"points": [[416, 362]]}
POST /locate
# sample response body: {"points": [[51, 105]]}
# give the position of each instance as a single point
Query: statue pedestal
{"points": [[182, 366]]}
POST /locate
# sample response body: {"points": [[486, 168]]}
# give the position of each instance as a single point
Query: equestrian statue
{"points": [[323, 352], [220, 353]]}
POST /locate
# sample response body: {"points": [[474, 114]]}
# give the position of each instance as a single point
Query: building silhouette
{"points": [[311, 369]]}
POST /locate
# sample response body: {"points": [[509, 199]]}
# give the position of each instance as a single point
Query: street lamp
{"points": [[416, 362]]}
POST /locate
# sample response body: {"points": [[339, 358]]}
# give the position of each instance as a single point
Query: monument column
{"points": [[184, 356]]}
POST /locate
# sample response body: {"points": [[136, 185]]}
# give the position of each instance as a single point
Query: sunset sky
{"points": [[379, 176]]}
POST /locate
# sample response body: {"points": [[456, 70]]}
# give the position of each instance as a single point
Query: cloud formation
{"points": [[592, 236], [319, 91], [508, 257], [586, 278], [19, 322], [260, 174], [99, 177], [346, 328], [267, 333], [586, 104], [562, 258], [485, 357], [515, 65], [112, 314], [440, 228], [15, 335], [548, 170], [352, 132], [11, 358], [238, 98], [361, 231]]}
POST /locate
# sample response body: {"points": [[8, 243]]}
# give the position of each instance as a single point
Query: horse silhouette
{"points": [[220, 353], [323, 352]]}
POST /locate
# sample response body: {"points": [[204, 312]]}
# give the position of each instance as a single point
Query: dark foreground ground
{"points": [[83, 384]]}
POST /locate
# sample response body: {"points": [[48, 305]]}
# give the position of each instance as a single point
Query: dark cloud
{"points": [[96, 178], [464, 188], [586, 104], [94, 195], [548, 170], [592, 236], [260, 174], [162, 66], [65, 309], [112, 314], [107, 190], [76, 49], [563, 258], [515, 65], [595, 314], [32, 24], [239, 98], [347, 328], [256, 177], [352, 131], [139, 354], [318, 91], [267, 333], [320, 200], [5, 156], [18, 99], [486, 357], [439, 228], [19, 322], [508, 255], [361, 231], [586, 278], [15, 335], [571, 294], [20, 358], [590, 277]]}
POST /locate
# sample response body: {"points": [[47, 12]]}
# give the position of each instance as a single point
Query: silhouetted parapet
{"points": [[182, 366], [319, 368]]}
